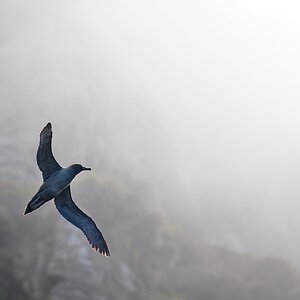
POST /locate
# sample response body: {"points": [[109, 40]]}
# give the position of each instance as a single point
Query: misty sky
{"points": [[222, 76]]}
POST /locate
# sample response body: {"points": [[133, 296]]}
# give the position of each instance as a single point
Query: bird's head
{"points": [[77, 168]]}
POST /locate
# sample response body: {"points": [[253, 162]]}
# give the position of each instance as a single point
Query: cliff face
{"points": [[44, 257], [100, 121]]}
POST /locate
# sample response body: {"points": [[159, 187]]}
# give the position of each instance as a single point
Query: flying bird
{"points": [[56, 184]]}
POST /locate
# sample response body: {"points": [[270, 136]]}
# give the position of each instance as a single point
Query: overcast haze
{"points": [[192, 105], [223, 76]]}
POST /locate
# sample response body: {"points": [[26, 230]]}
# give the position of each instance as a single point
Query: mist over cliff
{"points": [[187, 114]]}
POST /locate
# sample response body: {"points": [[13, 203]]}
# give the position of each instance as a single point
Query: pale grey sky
{"points": [[223, 77]]}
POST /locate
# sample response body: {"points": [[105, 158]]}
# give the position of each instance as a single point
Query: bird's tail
{"points": [[34, 203]]}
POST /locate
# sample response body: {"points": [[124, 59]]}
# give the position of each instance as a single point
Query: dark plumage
{"points": [[57, 185]]}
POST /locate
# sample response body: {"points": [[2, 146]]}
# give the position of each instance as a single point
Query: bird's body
{"points": [[53, 186], [57, 185], [57, 182]]}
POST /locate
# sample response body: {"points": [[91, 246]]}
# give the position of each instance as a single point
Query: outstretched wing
{"points": [[78, 218], [45, 159]]}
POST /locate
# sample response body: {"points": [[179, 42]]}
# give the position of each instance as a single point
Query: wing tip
{"points": [[104, 252], [47, 129]]}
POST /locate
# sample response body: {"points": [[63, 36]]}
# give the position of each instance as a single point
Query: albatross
{"points": [[56, 184]]}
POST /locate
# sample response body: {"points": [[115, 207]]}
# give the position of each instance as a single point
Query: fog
{"points": [[223, 78], [188, 114]]}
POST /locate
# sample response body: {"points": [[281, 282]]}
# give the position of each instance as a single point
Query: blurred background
{"points": [[188, 114]]}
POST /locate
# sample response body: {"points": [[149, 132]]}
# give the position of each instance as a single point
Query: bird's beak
{"points": [[86, 169]]}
